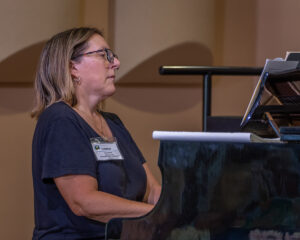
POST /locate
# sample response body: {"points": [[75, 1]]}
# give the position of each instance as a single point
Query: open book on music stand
{"points": [[275, 102]]}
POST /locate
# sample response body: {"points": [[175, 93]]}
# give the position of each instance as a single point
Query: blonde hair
{"points": [[53, 81]]}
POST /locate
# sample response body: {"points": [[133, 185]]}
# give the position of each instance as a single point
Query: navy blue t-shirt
{"points": [[61, 146]]}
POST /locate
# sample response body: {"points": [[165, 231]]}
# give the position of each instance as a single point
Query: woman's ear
{"points": [[74, 73], [73, 69]]}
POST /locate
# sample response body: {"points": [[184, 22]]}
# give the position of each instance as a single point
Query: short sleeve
{"points": [[67, 150]]}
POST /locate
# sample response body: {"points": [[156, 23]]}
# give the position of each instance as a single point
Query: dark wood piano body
{"points": [[223, 191]]}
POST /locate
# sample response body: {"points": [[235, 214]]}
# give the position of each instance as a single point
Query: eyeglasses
{"points": [[110, 56]]}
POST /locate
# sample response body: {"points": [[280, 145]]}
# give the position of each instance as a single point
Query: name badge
{"points": [[105, 150]]}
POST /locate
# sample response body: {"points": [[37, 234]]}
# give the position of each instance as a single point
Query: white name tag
{"points": [[105, 151]]}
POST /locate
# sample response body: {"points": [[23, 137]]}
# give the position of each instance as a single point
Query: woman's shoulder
{"points": [[57, 111], [57, 117]]}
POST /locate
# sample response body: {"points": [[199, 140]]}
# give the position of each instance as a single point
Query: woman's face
{"points": [[96, 73]]}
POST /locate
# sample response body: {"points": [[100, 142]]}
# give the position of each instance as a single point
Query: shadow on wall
{"points": [[146, 74], [17, 72]]}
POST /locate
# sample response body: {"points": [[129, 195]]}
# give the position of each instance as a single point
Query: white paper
{"points": [[202, 136]]}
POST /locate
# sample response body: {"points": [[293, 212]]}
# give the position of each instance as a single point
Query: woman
{"points": [[86, 167]]}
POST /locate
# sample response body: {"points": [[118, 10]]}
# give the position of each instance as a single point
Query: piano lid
{"points": [[275, 101]]}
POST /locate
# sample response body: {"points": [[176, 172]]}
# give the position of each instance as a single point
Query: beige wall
{"points": [[16, 201], [24, 23], [236, 41], [277, 28], [143, 29], [145, 34]]}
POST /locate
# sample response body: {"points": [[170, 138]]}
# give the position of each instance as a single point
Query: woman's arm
{"points": [[82, 196], [153, 187]]}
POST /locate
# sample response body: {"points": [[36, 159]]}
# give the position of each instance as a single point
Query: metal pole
{"points": [[206, 111]]}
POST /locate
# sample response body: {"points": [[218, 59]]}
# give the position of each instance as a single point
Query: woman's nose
{"points": [[116, 63]]}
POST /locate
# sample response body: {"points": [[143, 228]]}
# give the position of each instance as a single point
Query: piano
{"points": [[231, 190]]}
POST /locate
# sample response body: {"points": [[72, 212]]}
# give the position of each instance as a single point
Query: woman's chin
{"points": [[111, 91]]}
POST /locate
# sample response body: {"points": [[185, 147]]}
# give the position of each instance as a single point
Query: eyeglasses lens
{"points": [[110, 55]]}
